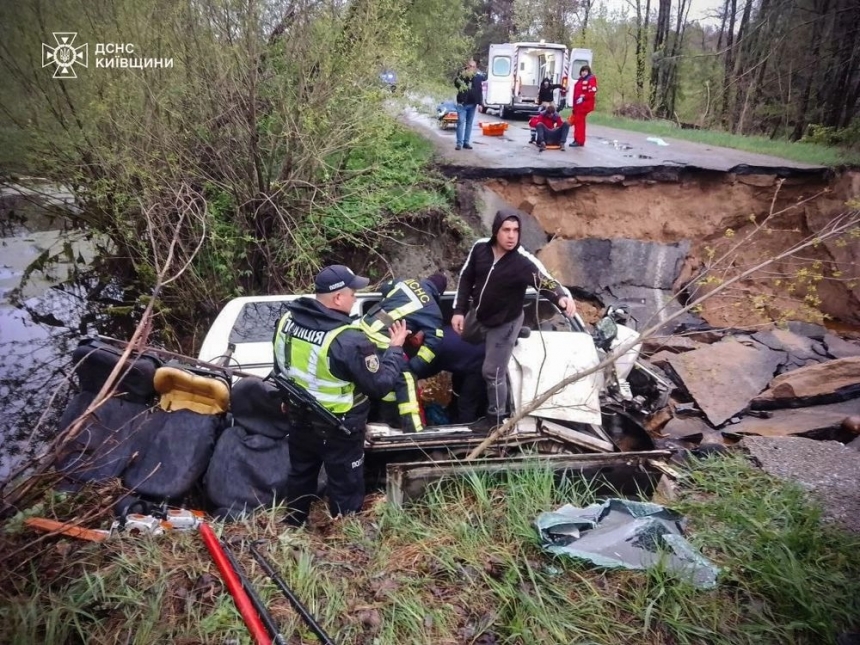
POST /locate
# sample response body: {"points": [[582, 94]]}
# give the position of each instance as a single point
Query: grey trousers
{"points": [[499, 344]]}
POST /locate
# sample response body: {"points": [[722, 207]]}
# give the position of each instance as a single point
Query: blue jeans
{"points": [[465, 119]]}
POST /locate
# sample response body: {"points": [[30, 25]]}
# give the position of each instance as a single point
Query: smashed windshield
{"points": [[256, 322]]}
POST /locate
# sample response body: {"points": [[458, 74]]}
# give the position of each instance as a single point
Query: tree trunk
{"points": [[740, 75], [847, 65], [658, 63], [800, 122], [640, 53], [731, 8]]}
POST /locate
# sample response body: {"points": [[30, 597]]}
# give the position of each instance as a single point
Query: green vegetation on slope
{"points": [[462, 562]]}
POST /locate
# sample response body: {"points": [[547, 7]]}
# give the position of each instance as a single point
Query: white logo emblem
{"points": [[372, 363], [65, 55]]}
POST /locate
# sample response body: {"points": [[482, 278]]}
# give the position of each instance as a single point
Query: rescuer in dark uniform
{"points": [[416, 303], [320, 348]]}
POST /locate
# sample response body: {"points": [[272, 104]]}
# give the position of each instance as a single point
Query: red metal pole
{"points": [[234, 586]]}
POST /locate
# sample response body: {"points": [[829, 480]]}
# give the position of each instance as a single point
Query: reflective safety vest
{"points": [[413, 298], [308, 364]]}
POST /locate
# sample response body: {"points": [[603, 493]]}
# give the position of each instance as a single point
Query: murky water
{"points": [[43, 314]]}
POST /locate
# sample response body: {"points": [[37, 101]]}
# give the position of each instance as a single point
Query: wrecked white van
{"points": [[550, 348]]}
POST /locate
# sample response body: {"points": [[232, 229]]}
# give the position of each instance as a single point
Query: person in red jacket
{"points": [[584, 91], [549, 128]]}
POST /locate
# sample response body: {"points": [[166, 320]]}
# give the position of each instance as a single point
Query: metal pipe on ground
{"points": [[291, 597]]}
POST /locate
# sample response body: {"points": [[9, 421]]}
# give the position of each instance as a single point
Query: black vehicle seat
{"points": [[251, 462], [178, 438], [108, 439]]}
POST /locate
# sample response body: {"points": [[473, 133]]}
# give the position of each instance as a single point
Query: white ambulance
{"points": [[515, 72]]}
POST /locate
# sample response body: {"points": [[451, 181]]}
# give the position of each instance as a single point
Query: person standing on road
{"points": [[469, 97], [319, 347], [492, 291], [584, 91]]}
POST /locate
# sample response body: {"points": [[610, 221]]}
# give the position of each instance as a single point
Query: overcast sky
{"points": [[701, 10]]}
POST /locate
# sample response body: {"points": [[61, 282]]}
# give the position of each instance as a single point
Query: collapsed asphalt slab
{"points": [[608, 151], [829, 470]]}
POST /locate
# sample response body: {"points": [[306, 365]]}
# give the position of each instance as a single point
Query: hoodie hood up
{"points": [[501, 216]]}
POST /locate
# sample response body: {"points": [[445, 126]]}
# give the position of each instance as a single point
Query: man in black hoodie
{"points": [[492, 289], [320, 348]]}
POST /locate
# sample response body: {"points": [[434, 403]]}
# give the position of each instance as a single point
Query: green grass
{"points": [[462, 562], [811, 153]]}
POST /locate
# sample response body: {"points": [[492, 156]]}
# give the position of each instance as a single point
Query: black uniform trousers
{"points": [[311, 447]]}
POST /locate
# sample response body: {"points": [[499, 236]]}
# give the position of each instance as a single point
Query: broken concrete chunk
{"points": [[839, 348], [564, 184], [688, 429], [724, 377], [836, 380], [593, 179], [810, 330], [661, 359], [538, 179], [815, 422], [528, 205], [854, 444]]}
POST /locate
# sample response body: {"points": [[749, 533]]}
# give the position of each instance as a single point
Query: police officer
{"points": [[416, 303], [319, 346]]}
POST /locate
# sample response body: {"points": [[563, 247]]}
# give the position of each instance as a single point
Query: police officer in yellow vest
{"points": [[416, 303], [322, 350]]}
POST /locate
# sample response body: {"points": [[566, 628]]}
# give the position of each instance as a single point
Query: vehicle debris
{"points": [[620, 533]]}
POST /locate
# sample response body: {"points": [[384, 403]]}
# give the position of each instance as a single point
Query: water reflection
{"points": [[42, 320]]}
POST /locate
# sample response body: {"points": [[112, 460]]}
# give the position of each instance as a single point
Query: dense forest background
{"points": [[271, 145], [783, 68]]}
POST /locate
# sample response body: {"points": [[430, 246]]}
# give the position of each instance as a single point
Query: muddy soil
{"points": [[746, 218]]}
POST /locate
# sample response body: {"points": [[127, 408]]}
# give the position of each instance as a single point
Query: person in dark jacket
{"points": [[416, 303], [546, 92], [549, 128], [492, 290], [469, 96], [320, 348], [463, 361]]}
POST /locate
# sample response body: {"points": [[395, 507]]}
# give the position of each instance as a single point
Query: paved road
{"points": [[608, 151]]}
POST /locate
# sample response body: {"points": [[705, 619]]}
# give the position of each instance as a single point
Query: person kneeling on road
{"points": [[320, 348], [416, 303], [549, 128]]}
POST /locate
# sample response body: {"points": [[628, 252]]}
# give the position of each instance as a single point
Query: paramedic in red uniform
{"points": [[583, 102]]}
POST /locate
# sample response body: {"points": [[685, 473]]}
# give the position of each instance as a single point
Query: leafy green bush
{"points": [[848, 137]]}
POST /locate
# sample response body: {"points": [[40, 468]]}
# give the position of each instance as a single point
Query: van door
{"points": [[561, 98], [578, 58], [500, 75]]}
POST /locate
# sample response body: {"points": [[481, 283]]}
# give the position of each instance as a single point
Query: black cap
{"points": [[336, 277]]}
